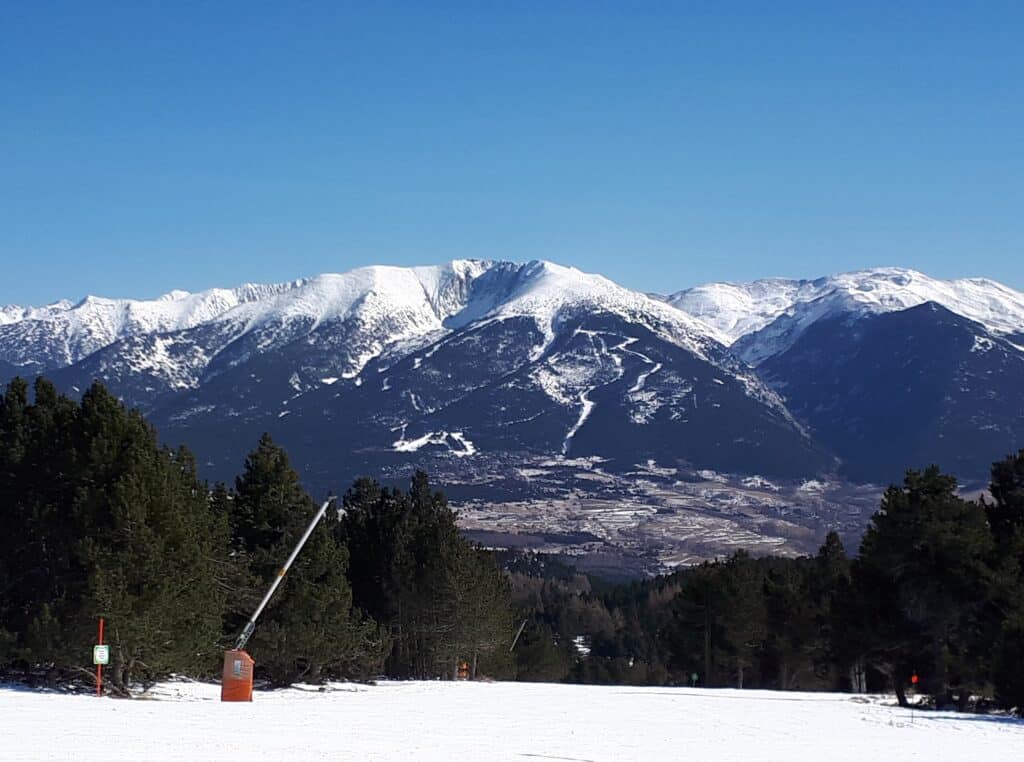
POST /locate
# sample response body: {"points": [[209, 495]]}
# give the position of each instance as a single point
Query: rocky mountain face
{"points": [[887, 368], [598, 386], [908, 388]]}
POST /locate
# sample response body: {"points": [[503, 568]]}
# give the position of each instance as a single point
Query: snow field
{"points": [[492, 721]]}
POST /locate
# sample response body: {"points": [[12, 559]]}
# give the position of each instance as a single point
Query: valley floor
{"points": [[491, 721]]}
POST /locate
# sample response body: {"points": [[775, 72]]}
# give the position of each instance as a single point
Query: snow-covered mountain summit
{"points": [[549, 293], [64, 332], [766, 317], [389, 304], [467, 357]]}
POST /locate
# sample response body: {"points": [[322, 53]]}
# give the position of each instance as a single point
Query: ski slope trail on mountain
{"points": [[492, 721]]}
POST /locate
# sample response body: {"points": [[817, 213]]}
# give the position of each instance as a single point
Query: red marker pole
{"points": [[913, 682], [99, 667]]}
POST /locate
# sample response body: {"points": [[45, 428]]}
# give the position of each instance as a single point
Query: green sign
{"points": [[101, 655]]}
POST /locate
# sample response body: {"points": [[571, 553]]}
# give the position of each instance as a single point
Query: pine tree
{"points": [[376, 529], [38, 474], [13, 433], [923, 565], [149, 543], [309, 630], [150, 562], [103, 522], [695, 634], [830, 589], [792, 624], [1006, 520], [743, 616], [1006, 510], [483, 630], [440, 600]]}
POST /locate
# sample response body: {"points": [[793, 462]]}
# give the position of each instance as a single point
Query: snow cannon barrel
{"points": [[236, 682]]}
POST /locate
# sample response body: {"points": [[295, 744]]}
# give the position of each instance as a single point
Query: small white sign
{"points": [[101, 655]]}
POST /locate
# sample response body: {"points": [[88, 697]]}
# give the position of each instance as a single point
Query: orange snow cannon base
{"points": [[236, 682]]}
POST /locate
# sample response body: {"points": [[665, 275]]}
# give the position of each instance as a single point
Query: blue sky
{"points": [[149, 146]]}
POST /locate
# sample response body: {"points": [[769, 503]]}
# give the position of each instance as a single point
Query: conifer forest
{"points": [[100, 519]]}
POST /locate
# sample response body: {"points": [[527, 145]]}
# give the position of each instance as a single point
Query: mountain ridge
{"points": [[432, 297], [533, 358], [765, 317]]}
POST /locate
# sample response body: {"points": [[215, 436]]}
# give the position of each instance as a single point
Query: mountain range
{"points": [[485, 367]]}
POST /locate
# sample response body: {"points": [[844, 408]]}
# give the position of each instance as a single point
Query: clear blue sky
{"points": [[149, 146]]}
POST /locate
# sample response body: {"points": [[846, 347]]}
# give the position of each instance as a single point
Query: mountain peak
{"points": [[174, 296], [739, 310]]}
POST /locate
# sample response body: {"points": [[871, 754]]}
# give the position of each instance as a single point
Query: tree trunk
{"points": [[117, 674], [739, 681], [472, 674], [858, 676], [707, 646], [116, 678], [901, 693]]}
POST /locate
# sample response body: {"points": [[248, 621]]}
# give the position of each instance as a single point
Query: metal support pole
{"points": [[516, 638], [99, 667], [251, 624]]}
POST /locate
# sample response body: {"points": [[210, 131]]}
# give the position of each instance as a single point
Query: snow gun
{"points": [[236, 684]]}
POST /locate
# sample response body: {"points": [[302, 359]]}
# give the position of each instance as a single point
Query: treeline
{"points": [[98, 519], [936, 591]]}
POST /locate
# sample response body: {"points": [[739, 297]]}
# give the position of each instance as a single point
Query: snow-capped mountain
{"points": [[483, 361], [764, 318], [457, 359], [888, 368], [179, 336], [63, 333], [391, 302]]}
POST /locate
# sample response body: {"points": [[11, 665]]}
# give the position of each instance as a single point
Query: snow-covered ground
{"points": [[492, 721]]}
